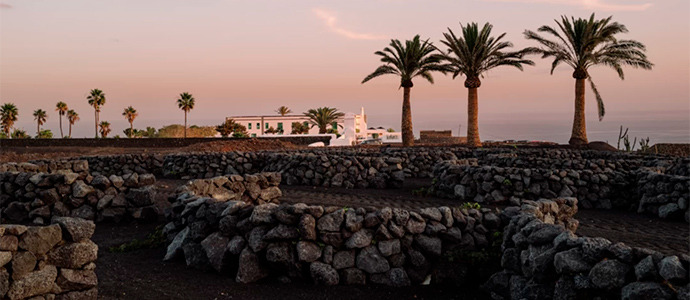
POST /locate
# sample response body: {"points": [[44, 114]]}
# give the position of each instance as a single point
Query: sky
{"points": [[249, 57]]}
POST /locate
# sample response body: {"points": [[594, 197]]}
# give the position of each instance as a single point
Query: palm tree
{"points": [[105, 128], [185, 103], [408, 61], [96, 99], [283, 110], [40, 117], [72, 117], [322, 117], [130, 114], [61, 108], [583, 43], [472, 54], [8, 115]]}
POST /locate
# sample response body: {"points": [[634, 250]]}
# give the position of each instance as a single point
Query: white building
{"points": [[257, 125]]}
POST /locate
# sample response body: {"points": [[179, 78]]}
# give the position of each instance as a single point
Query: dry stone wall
{"points": [[39, 196], [325, 245], [49, 166], [252, 188], [544, 260], [48, 262]]}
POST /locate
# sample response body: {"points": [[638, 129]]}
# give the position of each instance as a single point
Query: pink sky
{"points": [[249, 57]]}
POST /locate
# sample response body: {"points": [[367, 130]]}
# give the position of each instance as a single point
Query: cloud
{"points": [[5, 6], [329, 19], [589, 4]]}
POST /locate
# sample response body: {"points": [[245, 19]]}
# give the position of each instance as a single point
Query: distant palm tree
{"points": [[19, 134], [185, 103], [40, 117], [61, 108], [472, 54], [322, 117], [130, 114], [283, 110], [583, 43], [96, 99], [408, 61], [8, 115], [72, 117], [105, 128]]}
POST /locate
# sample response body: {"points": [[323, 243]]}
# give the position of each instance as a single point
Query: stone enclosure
{"points": [[228, 218]]}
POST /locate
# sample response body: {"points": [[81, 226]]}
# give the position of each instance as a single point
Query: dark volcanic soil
{"points": [[142, 274]]}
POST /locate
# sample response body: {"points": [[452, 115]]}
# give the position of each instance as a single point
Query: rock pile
{"points": [[664, 195], [48, 262], [40, 196], [326, 245], [544, 260], [51, 166], [256, 189]]}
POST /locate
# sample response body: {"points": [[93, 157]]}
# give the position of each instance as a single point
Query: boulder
{"points": [[671, 269], [645, 290], [35, 283], [250, 268], [70, 279], [23, 263], [308, 251], [359, 239], [609, 274], [215, 246], [73, 255], [323, 274], [75, 229], [371, 261], [39, 240], [81, 189], [332, 221]]}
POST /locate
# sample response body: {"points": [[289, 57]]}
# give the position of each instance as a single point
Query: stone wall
{"points": [[542, 260], [664, 195], [48, 262], [255, 189], [40, 196], [326, 245], [47, 166], [604, 189]]}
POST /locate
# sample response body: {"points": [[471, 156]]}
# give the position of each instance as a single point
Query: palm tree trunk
{"points": [[95, 118], [185, 124], [406, 126], [38, 129], [579, 134], [472, 122], [70, 130], [131, 128], [61, 135]]}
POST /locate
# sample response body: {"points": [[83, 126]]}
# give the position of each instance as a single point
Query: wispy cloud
{"points": [[5, 6], [589, 4], [329, 19]]}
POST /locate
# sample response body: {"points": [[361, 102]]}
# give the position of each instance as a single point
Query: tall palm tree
{"points": [[105, 128], [322, 117], [472, 54], [8, 115], [72, 117], [583, 43], [283, 110], [40, 117], [130, 114], [96, 99], [61, 108], [185, 103], [408, 61]]}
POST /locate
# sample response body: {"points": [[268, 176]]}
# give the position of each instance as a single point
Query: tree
{"points": [[45, 134], [230, 127], [185, 103], [40, 117], [130, 114], [20, 134], [149, 132], [408, 61], [283, 110], [271, 130], [322, 117], [105, 128], [299, 128], [72, 117], [581, 44], [96, 99], [472, 54], [8, 115], [61, 108]]}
